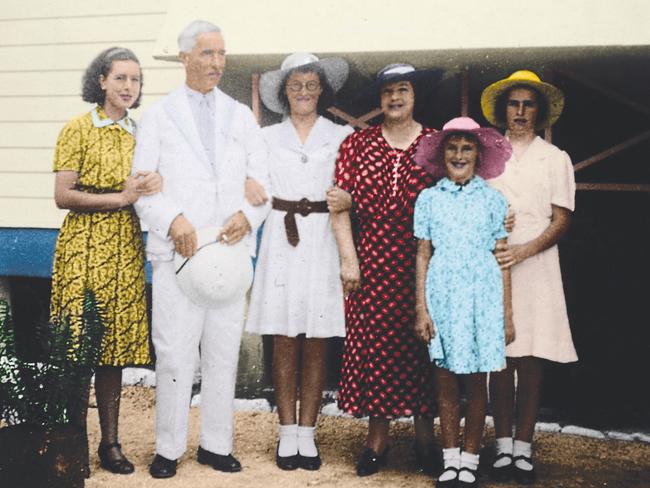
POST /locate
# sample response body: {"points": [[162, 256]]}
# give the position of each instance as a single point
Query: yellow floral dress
{"points": [[102, 250]]}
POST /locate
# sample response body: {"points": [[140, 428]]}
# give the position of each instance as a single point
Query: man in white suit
{"points": [[205, 145]]}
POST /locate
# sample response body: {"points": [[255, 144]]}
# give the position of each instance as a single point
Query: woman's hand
{"points": [[255, 193], [338, 200], [509, 221], [350, 276], [424, 329], [509, 255], [509, 328], [149, 182], [130, 193]]}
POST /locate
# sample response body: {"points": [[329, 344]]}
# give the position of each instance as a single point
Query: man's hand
{"points": [[184, 236], [149, 182], [255, 193], [338, 200], [235, 229]]}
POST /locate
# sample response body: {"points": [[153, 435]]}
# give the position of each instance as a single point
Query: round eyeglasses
{"points": [[296, 86]]}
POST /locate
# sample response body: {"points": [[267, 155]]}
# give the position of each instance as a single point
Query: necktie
{"points": [[206, 127]]}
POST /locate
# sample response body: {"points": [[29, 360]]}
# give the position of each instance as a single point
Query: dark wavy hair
{"points": [[326, 98], [91, 90], [502, 101]]}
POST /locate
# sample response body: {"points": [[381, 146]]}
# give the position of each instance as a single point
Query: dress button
{"points": [[303, 158]]}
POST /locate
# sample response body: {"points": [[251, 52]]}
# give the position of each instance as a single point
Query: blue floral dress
{"points": [[464, 287]]}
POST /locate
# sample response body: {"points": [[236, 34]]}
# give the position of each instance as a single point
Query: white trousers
{"points": [[183, 334]]}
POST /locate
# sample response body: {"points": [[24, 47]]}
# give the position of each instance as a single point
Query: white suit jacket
{"points": [[168, 142]]}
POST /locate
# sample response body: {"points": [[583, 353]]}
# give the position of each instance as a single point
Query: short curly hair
{"points": [[326, 98], [91, 90]]}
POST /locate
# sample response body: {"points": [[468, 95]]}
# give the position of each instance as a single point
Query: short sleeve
{"points": [[422, 216], [69, 152], [563, 184], [344, 175], [498, 212]]}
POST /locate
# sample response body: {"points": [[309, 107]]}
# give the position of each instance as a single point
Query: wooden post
{"points": [[255, 97], [464, 93], [548, 78]]}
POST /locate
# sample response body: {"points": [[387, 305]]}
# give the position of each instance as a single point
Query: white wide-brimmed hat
{"points": [[217, 274], [336, 72]]}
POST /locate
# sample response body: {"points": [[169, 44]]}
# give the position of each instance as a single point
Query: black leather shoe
{"points": [[161, 467], [451, 483], [310, 463], [114, 465], [522, 476], [427, 460], [227, 464], [502, 474], [370, 462], [288, 463]]}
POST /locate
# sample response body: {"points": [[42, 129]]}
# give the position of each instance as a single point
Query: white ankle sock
{"points": [[306, 444], [521, 448], [451, 457], [503, 446], [288, 440], [468, 460]]}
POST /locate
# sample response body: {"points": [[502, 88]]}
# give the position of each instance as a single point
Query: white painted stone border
{"points": [[146, 377]]}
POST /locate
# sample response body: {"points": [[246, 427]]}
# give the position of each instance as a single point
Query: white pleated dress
{"points": [[541, 178], [297, 290]]}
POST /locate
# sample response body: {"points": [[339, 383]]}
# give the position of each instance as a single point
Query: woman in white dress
{"points": [[539, 184], [297, 295]]}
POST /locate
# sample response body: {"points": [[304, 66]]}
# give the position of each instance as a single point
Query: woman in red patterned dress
{"points": [[386, 372]]}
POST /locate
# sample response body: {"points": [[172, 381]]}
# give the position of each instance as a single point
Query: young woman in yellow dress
{"points": [[100, 244]]}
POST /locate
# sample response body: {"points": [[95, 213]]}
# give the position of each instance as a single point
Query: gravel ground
{"points": [[563, 461]]}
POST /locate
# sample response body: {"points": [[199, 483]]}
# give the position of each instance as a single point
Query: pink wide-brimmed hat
{"points": [[494, 148]]}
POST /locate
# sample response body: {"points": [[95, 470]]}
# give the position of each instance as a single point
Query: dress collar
{"points": [[471, 186], [100, 119]]}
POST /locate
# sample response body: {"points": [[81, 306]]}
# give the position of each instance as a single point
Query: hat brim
{"points": [[336, 73], [553, 95], [494, 151], [420, 79]]}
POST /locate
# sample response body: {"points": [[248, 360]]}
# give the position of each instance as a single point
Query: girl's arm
{"points": [[510, 255], [424, 329], [350, 273], [66, 196], [508, 324]]}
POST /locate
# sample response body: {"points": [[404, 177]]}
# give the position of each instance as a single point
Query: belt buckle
{"points": [[304, 207]]}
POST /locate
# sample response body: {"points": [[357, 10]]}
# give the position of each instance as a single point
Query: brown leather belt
{"points": [[303, 207]]}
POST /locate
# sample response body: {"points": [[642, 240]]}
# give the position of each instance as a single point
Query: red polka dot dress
{"points": [[386, 371]]}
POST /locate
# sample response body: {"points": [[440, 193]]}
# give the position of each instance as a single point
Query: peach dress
{"points": [[541, 178]]}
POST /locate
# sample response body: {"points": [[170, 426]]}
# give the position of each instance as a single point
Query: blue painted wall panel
{"points": [[29, 252]]}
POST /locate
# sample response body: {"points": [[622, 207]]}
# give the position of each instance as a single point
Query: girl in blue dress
{"points": [[463, 306]]}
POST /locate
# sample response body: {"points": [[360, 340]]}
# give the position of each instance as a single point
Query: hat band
{"points": [[399, 70]]}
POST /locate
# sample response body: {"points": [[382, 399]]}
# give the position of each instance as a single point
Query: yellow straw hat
{"points": [[554, 97]]}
